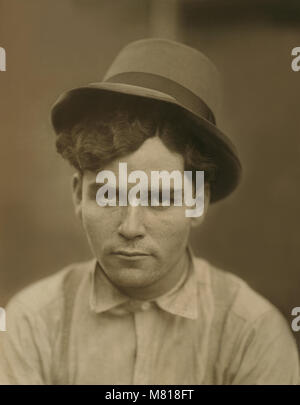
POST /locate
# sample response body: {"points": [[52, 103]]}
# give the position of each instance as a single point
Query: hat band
{"points": [[159, 83]]}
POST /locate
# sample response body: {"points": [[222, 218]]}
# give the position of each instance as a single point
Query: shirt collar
{"points": [[181, 300], [104, 295]]}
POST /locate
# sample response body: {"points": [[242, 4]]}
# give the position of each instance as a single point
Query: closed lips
{"points": [[130, 253]]}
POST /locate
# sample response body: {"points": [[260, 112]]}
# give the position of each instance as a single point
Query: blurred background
{"points": [[55, 45]]}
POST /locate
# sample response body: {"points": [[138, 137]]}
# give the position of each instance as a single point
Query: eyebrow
{"points": [[96, 186]]}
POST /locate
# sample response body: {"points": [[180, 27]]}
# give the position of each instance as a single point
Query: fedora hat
{"points": [[168, 72]]}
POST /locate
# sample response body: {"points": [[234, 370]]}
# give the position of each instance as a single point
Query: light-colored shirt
{"points": [[75, 327]]}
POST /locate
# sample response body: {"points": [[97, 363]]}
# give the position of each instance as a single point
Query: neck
{"points": [[163, 285]]}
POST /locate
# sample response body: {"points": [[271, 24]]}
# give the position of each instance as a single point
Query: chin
{"points": [[131, 277]]}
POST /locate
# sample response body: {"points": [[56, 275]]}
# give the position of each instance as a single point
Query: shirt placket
{"points": [[142, 369]]}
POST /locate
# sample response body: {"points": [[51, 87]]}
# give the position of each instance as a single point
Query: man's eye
{"points": [[153, 200], [107, 198], [160, 200]]}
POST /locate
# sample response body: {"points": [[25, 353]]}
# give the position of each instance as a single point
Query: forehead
{"points": [[153, 154]]}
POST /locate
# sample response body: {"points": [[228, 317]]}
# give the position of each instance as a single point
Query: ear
{"points": [[77, 193], [196, 221]]}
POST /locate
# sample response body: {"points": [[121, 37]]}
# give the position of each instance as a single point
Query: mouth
{"points": [[130, 253]]}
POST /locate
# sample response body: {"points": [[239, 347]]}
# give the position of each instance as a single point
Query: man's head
{"points": [[137, 247], [154, 110]]}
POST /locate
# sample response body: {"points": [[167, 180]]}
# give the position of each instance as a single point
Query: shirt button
{"points": [[145, 306]]}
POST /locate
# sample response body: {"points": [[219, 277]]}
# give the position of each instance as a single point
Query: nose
{"points": [[132, 226]]}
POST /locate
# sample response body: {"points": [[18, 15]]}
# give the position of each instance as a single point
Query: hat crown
{"points": [[173, 61]]}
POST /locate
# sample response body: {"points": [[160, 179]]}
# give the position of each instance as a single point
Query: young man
{"points": [[145, 310]]}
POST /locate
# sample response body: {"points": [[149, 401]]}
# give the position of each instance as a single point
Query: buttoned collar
{"points": [[181, 300]]}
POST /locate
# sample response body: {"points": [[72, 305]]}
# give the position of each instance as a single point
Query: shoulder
{"points": [[51, 292], [257, 346], [232, 295]]}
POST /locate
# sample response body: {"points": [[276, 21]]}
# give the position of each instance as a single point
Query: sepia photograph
{"points": [[150, 194]]}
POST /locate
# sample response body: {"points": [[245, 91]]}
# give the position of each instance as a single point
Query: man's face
{"points": [[138, 247]]}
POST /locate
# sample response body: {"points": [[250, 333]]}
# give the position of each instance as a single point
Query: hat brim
{"points": [[72, 104]]}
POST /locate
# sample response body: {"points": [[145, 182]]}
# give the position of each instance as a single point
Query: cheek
{"points": [[99, 222], [170, 228]]}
